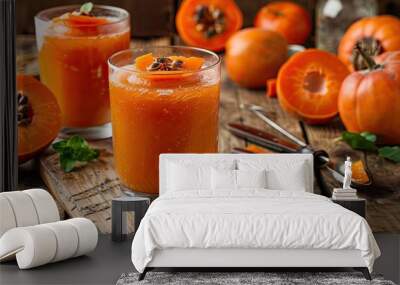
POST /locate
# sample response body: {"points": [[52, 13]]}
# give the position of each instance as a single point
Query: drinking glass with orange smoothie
{"points": [[163, 100], [74, 44]]}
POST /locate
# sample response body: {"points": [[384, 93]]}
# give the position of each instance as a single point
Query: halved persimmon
{"points": [[308, 85], [39, 117], [208, 23]]}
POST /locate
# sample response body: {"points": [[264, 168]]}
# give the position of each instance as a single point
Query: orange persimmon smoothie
{"points": [[161, 102], [73, 51]]}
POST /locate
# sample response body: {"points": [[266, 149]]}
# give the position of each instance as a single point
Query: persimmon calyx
{"points": [[275, 12], [363, 54], [24, 111], [210, 20], [165, 64]]}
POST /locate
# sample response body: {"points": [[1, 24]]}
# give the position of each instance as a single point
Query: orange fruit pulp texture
{"points": [[152, 115], [308, 85], [74, 66], [46, 119]]}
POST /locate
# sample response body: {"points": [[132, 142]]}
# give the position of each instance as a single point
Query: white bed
{"points": [[193, 224]]}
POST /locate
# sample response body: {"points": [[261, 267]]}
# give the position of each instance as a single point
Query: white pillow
{"points": [[193, 174], [281, 175], [236, 179], [188, 177], [251, 178], [223, 179], [292, 179]]}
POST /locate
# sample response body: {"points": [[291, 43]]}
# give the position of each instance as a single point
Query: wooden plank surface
{"points": [[88, 192]]}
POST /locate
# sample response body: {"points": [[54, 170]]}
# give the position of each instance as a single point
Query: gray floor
{"points": [[389, 262], [110, 260]]}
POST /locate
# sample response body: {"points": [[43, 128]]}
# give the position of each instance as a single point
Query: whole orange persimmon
{"points": [[378, 34], [254, 55], [287, 18], [369, 100]]}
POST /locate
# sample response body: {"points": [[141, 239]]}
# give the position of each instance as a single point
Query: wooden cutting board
{"points": [[87, 191]]}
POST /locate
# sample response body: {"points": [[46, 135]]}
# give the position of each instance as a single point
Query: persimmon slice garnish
{"points": [[208, 23], [82, 19], [168, 68], [308, 85], [171, 64], [39, 117]]}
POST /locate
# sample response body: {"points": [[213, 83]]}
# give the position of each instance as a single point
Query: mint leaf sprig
{"points": [[367, 141], [86, 8], [73, 151], [390, 152], [361, 141]]}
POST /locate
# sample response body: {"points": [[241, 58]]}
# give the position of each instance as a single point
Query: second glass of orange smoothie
{"points": [[163, 100], [74, 47]]}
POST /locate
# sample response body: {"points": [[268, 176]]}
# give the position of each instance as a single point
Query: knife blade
{"points": [[262, 138]]}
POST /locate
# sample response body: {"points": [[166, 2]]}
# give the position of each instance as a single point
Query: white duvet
{"points": [[255, 218]]}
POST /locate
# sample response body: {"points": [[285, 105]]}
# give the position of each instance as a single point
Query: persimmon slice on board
{"points": [[208, 23], [308, 85], [271, 87], [39, 117]]}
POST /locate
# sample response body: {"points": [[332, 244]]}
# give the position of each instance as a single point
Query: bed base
{"points": [[363, 270], [242, 259]]}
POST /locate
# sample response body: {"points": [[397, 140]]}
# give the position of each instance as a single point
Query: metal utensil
{"points": [[262, 138], [294, 145]]}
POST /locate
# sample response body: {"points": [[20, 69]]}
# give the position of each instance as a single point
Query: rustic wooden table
{"points": [[88, 192]]}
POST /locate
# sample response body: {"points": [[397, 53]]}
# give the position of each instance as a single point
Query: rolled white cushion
{"points": [[33, 246], [23, 208], [87, 235], [40, 244], [7, 218], [66, 238], [45, 205]]}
